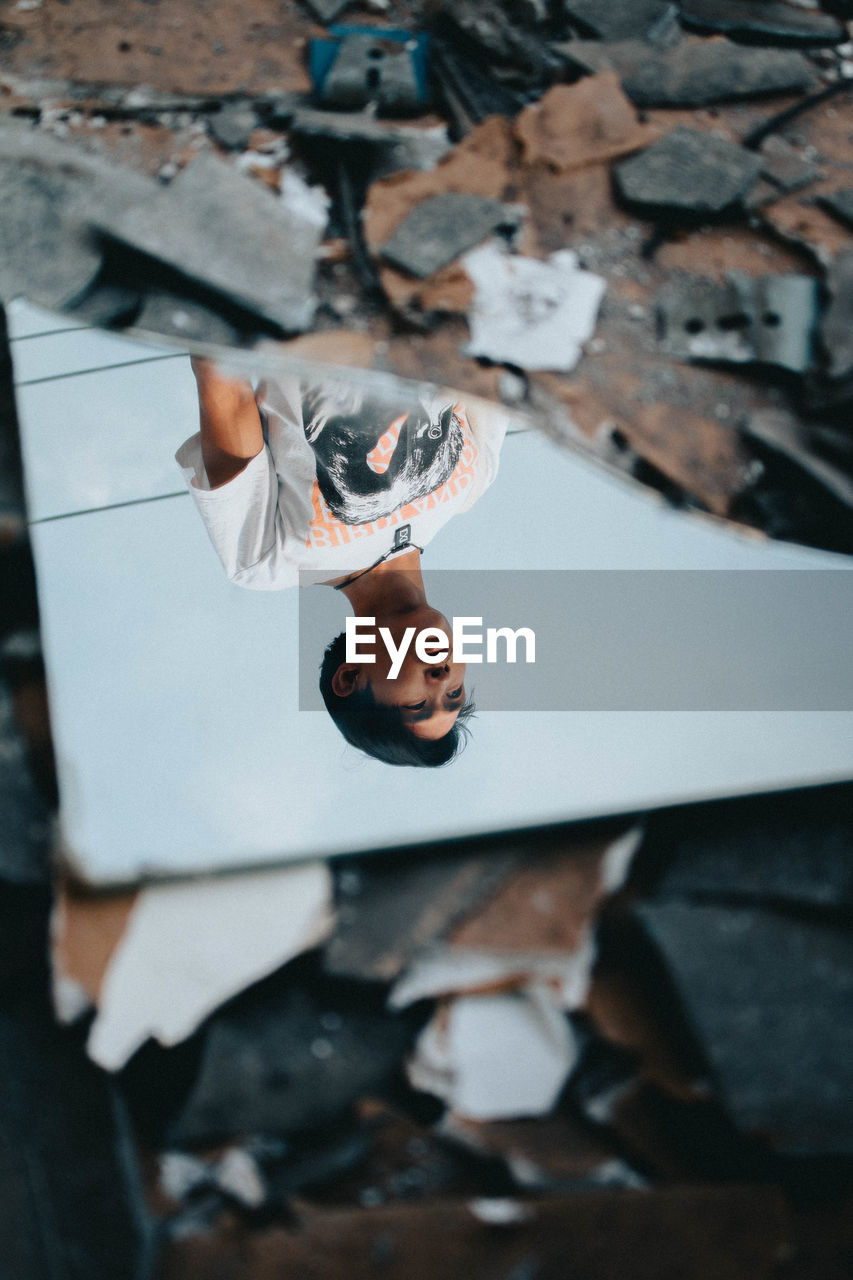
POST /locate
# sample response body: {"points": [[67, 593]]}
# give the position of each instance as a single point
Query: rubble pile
{"points": [[504, 1035], [441, 187]]}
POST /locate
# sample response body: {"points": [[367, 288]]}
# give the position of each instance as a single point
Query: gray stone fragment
{"points": [[50, 193], [774, 20], [233, 124], [794, 847], [166, 315], [769, 998], [226, 232], [282, 1061], [442, 228], [785, 166], [837, 328], [622, 21], [688, 172], [694, 73], [840, 204], [766, 319], [369, 69]]}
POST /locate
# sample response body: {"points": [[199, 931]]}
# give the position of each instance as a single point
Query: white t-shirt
{"points": [[343, 479]]}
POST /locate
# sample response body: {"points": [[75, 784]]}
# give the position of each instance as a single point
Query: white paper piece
{"points": [[529, 313], [189, 947], [496, 1057], [442, 971], [618, 858]]}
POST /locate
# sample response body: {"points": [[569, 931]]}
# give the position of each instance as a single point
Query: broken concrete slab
{"points": [[469, 1054], [840, 203], [769, 997], [772, 21], [764, 319], [50, 193], [688, 173], [443, 227], [784, 433], [225, 232], [836, 330], [285, 1056], [531, 314], [695, 73], [624, 21], [796, 847], [585, 123]]}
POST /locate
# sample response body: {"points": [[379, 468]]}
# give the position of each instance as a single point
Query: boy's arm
{"points": [[231, 433]]}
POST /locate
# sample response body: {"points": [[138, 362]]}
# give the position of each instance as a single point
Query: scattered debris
{"points": [[469, 1054], [773, 21], [768, 319], [530, 314], [688, 173], [695, 73], [442, 228], [580, 124]]}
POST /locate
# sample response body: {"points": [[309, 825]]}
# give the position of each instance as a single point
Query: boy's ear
{"points": [[345, 679]]}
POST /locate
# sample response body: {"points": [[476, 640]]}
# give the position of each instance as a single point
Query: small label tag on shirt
{"points": [[403, 537]]}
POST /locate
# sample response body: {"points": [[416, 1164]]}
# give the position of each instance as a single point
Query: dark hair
{"points": [[379, 730]]}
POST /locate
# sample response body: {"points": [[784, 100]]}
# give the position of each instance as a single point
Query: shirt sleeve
{"points": [[488, 423], [242, 519]]}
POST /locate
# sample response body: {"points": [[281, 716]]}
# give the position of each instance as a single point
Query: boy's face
{"points": [[428, 694]]}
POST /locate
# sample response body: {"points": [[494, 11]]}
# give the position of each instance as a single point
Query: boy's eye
{"points": [[414, 706], [455, 693]]}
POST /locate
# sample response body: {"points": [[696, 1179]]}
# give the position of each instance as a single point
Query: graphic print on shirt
{"points": [[329, 530], [369, 464]]}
